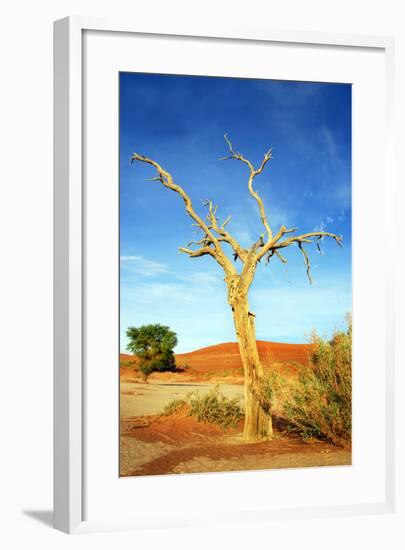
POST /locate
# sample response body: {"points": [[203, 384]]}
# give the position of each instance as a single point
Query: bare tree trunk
{"points": [[258, 414], [258, 423]]}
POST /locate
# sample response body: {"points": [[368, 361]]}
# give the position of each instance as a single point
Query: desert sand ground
{"points": [[142, 399], [153, 444]]}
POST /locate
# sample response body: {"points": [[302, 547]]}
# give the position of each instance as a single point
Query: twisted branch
{"points": [[306, 260], [300, 240], [225, 236], [215, 234], [215, 250], [200, 252], [253, 173]]}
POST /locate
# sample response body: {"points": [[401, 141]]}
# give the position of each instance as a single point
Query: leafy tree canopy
{"points": [[153, 344]]}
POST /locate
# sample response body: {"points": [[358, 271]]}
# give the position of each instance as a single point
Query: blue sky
{"points": [[180, 121]]}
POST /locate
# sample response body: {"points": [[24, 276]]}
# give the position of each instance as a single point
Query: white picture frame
{"points": [[69, 213]]}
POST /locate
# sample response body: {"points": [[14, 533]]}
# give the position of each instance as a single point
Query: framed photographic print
{"points": [[222, 325]]}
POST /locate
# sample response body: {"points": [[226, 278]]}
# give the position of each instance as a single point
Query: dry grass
{"points": [[212, 407], [174, 406]]}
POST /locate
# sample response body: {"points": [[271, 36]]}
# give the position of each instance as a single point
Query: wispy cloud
{"points": [[150, 268], [245, 236], [328, 222], [320, 227], [205, 279], [139, 264], [332, 151]]}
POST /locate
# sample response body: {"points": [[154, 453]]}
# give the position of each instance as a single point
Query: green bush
{"points": [[320, 404], [174, 406], [209, 407], [273, 388], [216, 408]]}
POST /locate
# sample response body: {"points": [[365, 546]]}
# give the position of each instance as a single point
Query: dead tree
{"points": [[258, 422]]}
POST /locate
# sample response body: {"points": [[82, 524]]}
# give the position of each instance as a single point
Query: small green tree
{"points": [[153, 345]]}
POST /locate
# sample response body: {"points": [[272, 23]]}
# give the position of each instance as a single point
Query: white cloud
{"points": [[139, 264], [245, 237], [320, 227], [328, 138], [202, 278]]}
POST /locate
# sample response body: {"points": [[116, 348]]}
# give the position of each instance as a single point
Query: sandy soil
{"points": [[174, 445], [139, 399], [154, 445]]}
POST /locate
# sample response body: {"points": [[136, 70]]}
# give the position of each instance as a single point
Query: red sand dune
{"points": [[225, 357], [125, 357]]}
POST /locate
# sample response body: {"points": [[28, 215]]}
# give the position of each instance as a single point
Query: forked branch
{"points": [[307, 238], [215, 234], [199, 252], [224, 235], [211, 242], [253, 173]]}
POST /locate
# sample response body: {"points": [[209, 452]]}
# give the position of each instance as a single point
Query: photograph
{"points": [[235, 264]]}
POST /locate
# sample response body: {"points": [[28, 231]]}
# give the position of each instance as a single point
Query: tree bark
{"points": [[258, 422]]}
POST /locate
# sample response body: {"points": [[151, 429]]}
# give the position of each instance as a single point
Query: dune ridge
{"points": [[225, 356]]}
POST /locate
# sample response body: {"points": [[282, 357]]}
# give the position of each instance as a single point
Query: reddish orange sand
{"points": [[224, 358], [213, 357], [180, 444]]}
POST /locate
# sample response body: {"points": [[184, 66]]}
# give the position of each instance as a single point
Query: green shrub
{"points": [[273, 388], [174, 406], [320, 404], [216, 408], [209, 407]]}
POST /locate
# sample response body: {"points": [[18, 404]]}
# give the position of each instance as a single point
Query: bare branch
{"points": [[204, 240], [253, 173], [308, 238], [270, 244], [291, 230], [275, 243], [197, 253], [272, 248], [275, 253], [306, 260], [225, 222], [214, 234], [258, 244], [280, 257], [165, 177], [230, 145], [225, 236]]}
